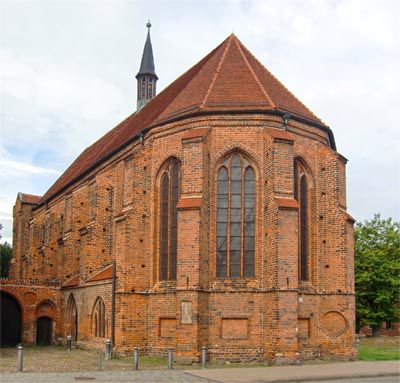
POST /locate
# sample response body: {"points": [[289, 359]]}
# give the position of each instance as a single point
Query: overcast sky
{"points": [[67, 76]]}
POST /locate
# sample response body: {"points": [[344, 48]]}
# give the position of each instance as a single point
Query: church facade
{"points": [[214, 216]]}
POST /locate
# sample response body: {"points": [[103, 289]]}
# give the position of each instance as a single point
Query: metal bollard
{"points": [[69, 342], [20, 358], [203, 357], [108, 351], [358, 344], [136, 359], [170, 358], [100, 362]]}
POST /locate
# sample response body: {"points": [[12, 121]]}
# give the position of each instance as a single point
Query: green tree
{"points": [[377, 272], [5, 257]]}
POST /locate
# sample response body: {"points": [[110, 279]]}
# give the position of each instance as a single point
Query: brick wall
{"points": [[113, 214]]}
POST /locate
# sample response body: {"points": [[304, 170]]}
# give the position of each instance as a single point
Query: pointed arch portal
{"points": [[11, 320], [44, 331]]}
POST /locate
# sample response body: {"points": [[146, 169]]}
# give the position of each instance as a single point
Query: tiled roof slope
{"points": [[228, 79], [30, 198]]}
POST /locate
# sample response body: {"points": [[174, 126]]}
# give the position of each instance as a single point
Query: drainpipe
{"points": [[113, 305]]}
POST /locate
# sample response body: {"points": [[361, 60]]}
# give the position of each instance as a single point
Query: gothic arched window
{"points": [[235, 218], [301, 193], [99, 319], [169, 195], [72, 318]]}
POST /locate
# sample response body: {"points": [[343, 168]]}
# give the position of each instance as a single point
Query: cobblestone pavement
{"points": [[153, 377], [387, 379], [104, 377], [330, 371]]}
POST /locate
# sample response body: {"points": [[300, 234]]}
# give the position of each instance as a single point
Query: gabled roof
{"points": [[29, 198], [72, 282], [103, 274], [229, 79]]}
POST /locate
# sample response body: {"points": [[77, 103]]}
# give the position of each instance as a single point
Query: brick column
{"points": [[287, 254], [287, 310], [191, 302]]}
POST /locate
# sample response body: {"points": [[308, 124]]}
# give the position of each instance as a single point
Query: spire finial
{"points": [[146, 77]]}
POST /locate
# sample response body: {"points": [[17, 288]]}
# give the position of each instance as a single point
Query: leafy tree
{"points": [[377, 272], [5, 257]]}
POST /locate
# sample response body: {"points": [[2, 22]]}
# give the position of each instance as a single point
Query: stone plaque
{"points": [[186, 313]]}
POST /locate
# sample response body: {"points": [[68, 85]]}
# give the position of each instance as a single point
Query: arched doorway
{"points": [[72, 318], [44, 331], [11, 320]]}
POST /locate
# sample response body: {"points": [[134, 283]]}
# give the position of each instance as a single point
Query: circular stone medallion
{"points": [[333, 324]]}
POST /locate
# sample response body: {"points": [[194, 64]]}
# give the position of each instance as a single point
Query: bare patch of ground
{"points": [[57, 359]]}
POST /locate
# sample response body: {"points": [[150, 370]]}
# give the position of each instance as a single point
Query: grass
{"points": [[381, 348]]}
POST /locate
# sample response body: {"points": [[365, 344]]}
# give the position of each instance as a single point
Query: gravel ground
{"points": [[57, 359]]}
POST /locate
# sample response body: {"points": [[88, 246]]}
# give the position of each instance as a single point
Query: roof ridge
{"points": [[239, 46], [276, 79], [203, 62], [229, 41], [222, 81]]}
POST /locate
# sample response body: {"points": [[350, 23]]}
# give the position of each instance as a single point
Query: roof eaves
{"points": [[181, 117]]}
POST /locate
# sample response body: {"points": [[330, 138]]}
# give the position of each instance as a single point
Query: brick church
{"points": [[214, 215]]}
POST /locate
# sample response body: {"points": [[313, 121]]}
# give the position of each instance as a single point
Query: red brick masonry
{"points": [[105, 208]]}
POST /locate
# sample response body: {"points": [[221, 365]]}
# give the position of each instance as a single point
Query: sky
{"points": [[68, 71]]}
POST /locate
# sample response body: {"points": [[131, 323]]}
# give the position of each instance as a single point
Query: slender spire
{"points": [[147, 64], [146, 77]]}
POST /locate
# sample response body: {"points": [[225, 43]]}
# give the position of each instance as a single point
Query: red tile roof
{"points": [[72, 282], [106, 273], [30, 198], [228, 79]]}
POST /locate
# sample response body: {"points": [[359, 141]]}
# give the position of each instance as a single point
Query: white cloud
{"points": [[67, 76], [16, 168]]}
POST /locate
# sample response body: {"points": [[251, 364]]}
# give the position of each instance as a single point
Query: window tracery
{"points": [[168, 227], [302, 195], [235, 218]]}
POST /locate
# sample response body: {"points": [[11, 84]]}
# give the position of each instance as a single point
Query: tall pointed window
{"points": [[301, 192], [169, 195], [99, 319], [72, 318], [235, 218]]}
